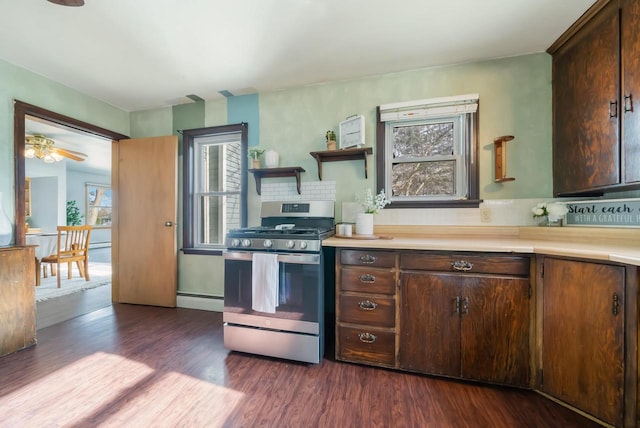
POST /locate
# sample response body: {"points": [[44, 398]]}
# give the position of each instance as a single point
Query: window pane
{"points": [[429, 139], [218, 214], [424, 178], [221, 167]]}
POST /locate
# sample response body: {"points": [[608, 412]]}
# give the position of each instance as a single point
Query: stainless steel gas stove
{"points": [[274, 282]]}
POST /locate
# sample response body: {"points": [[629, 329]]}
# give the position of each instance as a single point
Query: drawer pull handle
{"points": [[367, 305], [368, 259], [628, 103], [368, 278], [613, 108], [461, 265], [367, 337]]}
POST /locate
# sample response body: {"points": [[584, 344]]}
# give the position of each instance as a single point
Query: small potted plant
{"points": [[371, 204], [330, 136], [255, 154]]}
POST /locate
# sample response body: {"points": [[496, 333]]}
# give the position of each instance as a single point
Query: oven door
{"points": [[300, 291]]}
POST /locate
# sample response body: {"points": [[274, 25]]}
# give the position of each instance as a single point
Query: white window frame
{"points": [[461, 110]]}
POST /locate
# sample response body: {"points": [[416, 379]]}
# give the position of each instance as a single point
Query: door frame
{"points": [[20, 111]]}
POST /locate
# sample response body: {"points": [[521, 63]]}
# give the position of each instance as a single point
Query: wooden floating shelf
{"points": [[500, 158], [342, 155], [291, 171]]}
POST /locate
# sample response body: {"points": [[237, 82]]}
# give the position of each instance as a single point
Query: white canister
{"points": [[271, 159]]}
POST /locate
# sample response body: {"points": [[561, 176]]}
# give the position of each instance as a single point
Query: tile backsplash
{"points": [[309, 190], [492, 212]]}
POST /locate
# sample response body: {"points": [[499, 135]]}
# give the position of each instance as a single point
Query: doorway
{"points": [[69, 179]]}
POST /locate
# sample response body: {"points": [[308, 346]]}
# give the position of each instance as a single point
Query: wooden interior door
{"points": [[583, 336], [144, 175]]}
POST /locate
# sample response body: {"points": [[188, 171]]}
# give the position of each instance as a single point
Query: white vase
{"points": [[271, 159], [364, 224], [5, 226]]}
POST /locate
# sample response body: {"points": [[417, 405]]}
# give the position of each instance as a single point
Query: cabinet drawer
{"points": [[366, 345], [496, 264], [373, 311], [368, 258], [368, 280]]}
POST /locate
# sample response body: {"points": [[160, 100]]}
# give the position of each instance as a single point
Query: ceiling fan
{"points": [[41, 147]]}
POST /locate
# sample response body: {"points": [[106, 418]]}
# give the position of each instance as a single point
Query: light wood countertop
{"points": [[612, 244]]}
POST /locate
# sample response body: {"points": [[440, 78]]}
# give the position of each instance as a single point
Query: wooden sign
{"points": [[613, 212]]}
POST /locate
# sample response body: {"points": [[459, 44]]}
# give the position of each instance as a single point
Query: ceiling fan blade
{"points": [[73, 155]]}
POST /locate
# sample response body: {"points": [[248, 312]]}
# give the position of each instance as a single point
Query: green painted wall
{"points": [[18, 83], [152, 123], [515, 99]]}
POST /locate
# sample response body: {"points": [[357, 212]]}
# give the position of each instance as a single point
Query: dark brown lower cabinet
{"points": [[583, 336], [464, 325]]}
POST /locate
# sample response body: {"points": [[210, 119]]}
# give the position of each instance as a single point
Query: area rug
{"points": [[100, 274]]}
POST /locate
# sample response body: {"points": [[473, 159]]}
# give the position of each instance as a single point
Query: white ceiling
{"points": [[141, 54]]}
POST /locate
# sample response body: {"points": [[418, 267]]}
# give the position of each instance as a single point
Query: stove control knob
{"points": [[267, 243], [235, 242], [246, 242], [303, 245], [290, 244]]}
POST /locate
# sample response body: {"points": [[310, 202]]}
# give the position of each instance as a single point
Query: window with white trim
{"points": [[215, 189], [428, 151]]}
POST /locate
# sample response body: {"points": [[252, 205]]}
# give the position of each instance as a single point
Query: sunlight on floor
{"points": [[110, 390]]}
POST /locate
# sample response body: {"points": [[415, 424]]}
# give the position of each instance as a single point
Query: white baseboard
{"points": [[215, 304]]}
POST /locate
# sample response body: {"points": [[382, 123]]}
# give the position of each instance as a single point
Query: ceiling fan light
{"points": [[56, 156], [29, 153], [72, 3], [48, 159]]}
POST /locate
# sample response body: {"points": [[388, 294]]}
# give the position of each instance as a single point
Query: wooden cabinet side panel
{"points": [[495, 330], [17, 299], [630, 42], [586, 152], [429, 324], [583, 340]]}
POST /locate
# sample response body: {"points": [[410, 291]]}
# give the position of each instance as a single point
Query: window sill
{"points": [[202, 252], [467, 203]]}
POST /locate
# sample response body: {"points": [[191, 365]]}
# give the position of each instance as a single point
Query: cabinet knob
{"points": [[461, 265], [367, 337], [367, 305], [368, 278]]}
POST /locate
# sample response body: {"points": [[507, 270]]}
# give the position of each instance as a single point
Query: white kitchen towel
{"points": [[264, 282]]}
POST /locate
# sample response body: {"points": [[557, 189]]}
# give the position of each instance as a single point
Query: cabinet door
{"points": [[495, 329], [586, 152], [583, 336], [630, 42], [430, 324]]}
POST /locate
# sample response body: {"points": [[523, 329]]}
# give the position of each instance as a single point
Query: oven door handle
{"points": [[302, 259]]}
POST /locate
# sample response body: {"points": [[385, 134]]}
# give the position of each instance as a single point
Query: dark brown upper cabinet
{"points": [[596, 83]]}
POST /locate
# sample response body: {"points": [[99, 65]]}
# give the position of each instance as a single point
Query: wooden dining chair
{"points": [[73, 246]]}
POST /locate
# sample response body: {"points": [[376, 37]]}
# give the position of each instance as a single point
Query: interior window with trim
{"points": [[427, 152], [215, 186]]}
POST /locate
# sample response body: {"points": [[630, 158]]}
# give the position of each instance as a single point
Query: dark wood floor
{"points": [[139, 366]]}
